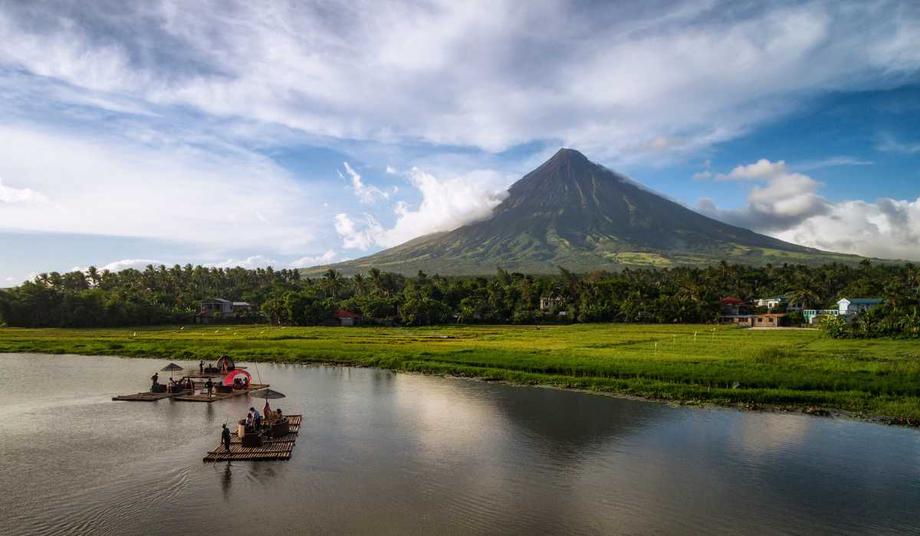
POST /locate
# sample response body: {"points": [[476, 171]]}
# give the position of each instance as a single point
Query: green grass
{"points": [[683, 363]]}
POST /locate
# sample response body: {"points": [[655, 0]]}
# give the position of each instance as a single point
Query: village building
{"points": [[847, 308], [770, 320], [772, 303], [347, 318], [219, 308], [857, 305], [549, 303], [732, 306], [737, 312], [766, 320]]}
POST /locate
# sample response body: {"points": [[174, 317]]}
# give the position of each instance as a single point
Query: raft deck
{"points": [[188, 396], [143, 397], [272, 449], [203, 397]]}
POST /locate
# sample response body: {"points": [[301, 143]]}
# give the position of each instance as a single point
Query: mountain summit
{"points": [[573, 213]]}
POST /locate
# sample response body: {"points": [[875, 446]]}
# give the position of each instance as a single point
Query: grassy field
{"points": [[684, 363]]}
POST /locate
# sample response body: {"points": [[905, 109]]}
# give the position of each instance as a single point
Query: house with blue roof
{"points": [[847, 308]]}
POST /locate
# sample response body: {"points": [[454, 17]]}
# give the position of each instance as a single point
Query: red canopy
{"points": [[228, 379]]}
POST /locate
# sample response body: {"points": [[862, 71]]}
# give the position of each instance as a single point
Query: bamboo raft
{"points": [[272, 449], [188, 396], [143, 397], [203, 397]]}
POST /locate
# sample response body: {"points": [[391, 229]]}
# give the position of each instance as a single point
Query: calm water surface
{"points": [[381, 453]]}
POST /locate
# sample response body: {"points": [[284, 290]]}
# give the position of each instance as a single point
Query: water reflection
{"points": [[385, 453], [227, 480]]}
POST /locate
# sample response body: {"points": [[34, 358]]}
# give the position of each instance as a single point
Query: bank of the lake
{"points": [[795, 369]]}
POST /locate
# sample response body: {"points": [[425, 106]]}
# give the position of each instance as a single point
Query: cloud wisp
{"points": [[446, 203], [367, 194]]}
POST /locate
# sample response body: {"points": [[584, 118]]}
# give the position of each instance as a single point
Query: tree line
{"points": [[164, 295]]}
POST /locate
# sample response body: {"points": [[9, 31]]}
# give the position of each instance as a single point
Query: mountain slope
{"points": [[573, 213]]}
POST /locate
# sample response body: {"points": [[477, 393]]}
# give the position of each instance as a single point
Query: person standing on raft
{"points": [[225, 437], [209, 385]]}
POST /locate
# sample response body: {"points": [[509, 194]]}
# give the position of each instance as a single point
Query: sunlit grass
{"points": [[689, 363]]}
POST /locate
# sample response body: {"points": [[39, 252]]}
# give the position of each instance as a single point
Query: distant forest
{"points": [[161, 295]]}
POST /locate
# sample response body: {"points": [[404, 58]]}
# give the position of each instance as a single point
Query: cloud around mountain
{"points": [[788, 205]]}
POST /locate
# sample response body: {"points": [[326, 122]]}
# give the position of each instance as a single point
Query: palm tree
{"points": [[804, 297], [332, 283], [93, 274]]}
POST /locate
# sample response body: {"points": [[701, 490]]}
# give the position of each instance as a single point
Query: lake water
{"points": [[384, 453]]}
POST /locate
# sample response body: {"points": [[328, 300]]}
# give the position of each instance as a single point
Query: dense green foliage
{"points": [[160, 295], [796, 369]]}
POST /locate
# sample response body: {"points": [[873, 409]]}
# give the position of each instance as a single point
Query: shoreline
{"points": [[784, 371], [809, 411]]}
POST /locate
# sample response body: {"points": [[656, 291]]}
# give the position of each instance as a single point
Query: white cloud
{"points": [[358, 235], [366, 194], [887, 228], [306, 262], [787, 205], [251, 262], [761, 170], [11, 195], [781, 199], [124, 264], [624, 79], [119, 265], [445, 205], [175, 192]]}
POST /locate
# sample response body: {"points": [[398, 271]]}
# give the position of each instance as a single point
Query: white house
{"points": [[847, 307], [771, 303]]}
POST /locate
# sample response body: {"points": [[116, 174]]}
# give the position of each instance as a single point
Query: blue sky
{"points": [[254, 134]]}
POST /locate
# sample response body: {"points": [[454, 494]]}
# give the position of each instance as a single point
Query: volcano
{"points": [[575, 214]]}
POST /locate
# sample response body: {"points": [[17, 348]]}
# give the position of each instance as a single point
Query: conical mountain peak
{"points": [[565, 161], [565, 154], [573, 213]]}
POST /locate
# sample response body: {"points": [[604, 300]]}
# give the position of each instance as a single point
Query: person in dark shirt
{"points": [[155, 379], [209, 385], [201, 367], [225, 437]]}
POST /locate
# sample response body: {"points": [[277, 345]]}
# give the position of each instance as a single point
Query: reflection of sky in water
{"points": [[386, 453]]}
